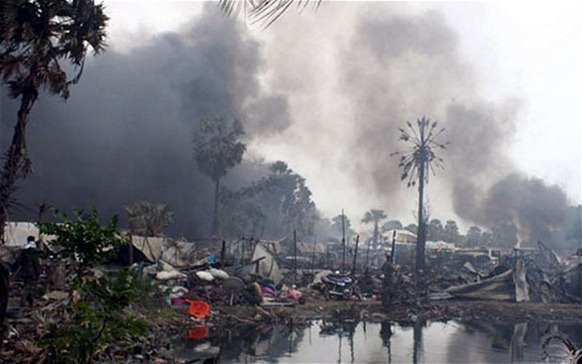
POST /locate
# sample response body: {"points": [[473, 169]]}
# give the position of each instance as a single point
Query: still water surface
{"points": [[419, 342]]}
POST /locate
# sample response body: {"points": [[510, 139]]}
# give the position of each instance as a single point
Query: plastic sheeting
{"points": [[268, 266]]}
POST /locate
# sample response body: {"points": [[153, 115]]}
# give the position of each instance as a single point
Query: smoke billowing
{"points": [[385, 65], [326, 92], [126, 133]]}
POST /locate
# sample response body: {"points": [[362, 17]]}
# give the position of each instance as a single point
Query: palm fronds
{"points": [[265, 12]]}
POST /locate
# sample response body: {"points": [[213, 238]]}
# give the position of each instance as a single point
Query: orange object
{"points": [[198, 309], [198, 332]]}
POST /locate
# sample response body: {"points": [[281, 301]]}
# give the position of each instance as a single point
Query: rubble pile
{"points": [[194, 296]]}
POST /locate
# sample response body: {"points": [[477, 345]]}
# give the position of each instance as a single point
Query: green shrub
{"points": [[83, 239], [96, 317]]}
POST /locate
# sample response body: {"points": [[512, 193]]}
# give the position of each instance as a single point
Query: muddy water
{"points": [[418, 342]]}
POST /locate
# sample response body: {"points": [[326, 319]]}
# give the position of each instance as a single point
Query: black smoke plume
{"points": [[330, 88], [126, 132]]}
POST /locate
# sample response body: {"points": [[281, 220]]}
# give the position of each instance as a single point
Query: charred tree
{"points": [[417, 163]]}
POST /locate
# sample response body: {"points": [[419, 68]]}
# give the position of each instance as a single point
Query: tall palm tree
{"points": [[416, 164], [217, 148], [39, 42], [374, 216]]}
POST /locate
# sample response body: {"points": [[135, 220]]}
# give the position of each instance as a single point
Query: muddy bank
{"points": [[374, 311], [171, 325]]}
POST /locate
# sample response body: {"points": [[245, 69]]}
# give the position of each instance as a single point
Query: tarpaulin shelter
{"points": [[267, 266], [176, 253], [15, 234]]}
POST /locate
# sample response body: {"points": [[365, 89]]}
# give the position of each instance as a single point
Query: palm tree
{"points": [[37, 40], [416, 164], [374, 216], [217, 148], [263, 11]]}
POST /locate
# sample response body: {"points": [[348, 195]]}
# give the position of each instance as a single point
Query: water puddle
{"points": [[361, 342]]}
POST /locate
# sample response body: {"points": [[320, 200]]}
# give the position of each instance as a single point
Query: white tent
{"points": [[176, 253]]}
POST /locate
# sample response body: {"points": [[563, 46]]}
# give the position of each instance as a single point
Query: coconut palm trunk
{"points": [[421, 237], [415, 166]]}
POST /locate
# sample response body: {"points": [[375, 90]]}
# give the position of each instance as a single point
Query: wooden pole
{"points": [[367, 252], [313, 253], [242, 251], [393, 252], [343, 243], [294, 257], [222, 254], [130, 248], [355, 255]]}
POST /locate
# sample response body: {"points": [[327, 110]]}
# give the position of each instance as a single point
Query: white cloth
{"points": [[30, 245]]}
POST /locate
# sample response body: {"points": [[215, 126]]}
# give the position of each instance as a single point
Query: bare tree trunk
{"points": [[16, 165], [214, 227], [421, 238]]}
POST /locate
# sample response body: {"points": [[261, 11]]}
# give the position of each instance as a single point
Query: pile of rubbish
{"points": [[524, 276]]}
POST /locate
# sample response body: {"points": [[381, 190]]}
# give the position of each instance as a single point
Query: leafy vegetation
{"points": [[95, 317], [83, 239], [272, 207]]}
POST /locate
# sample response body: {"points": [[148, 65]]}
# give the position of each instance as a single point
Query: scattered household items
{"points": [[198, 332], [198, 309], [338, 286]]}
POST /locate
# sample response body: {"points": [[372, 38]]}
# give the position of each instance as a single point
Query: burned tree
{"points": [[148, 219], [37, 40], [417, 163]]}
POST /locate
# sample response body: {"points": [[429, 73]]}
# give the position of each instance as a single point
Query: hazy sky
{"points": [[530, 55]]}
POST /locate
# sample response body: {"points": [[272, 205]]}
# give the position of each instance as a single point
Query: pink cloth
{"points": [[293, 293]]}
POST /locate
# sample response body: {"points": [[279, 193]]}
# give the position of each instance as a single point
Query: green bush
{"points": [[96, 318], [83, 239]]}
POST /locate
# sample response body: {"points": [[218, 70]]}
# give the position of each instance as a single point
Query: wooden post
{"points": [[242, 251], [313, 254], [130, 248], [222, 254], [294, 257], [393, 252], [355, 255], [343, 243], [367, 252]]}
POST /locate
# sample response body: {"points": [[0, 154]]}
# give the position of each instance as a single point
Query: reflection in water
{"points": [[411, 342], [385, 335], [417, 350]]}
